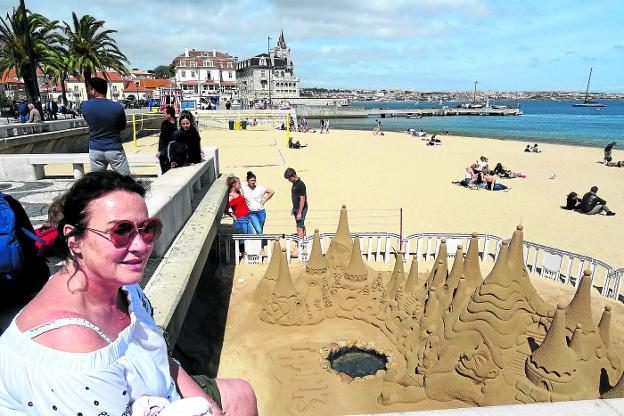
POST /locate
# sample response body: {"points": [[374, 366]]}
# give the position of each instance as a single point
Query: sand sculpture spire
{"points": [[412, 277], [284, 287], [439, 272], [576, 343], [515, 257], [339, 250], [267, 283], [579, 309], [604, 326], [397, 278], [316, 263], [472, 269], [457, 270], [553, 360], [356, 270]]}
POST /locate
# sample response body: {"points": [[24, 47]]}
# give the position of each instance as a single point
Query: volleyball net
{"points": [[220, 121]]}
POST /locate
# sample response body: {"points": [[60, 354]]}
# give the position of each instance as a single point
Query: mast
{"points": [[588, 80]]}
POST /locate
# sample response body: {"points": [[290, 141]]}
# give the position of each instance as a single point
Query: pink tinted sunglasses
{"points": [[123, 232]]}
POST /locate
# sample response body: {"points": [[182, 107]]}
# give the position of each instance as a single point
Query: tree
{"points": [[92, 48], [13, 48], [164, 71], [59, 67]]}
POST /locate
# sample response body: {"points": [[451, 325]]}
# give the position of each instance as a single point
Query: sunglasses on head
{"points": [[123, 232]]}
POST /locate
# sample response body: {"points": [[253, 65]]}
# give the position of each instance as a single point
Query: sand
{"points": [[376, 176]]}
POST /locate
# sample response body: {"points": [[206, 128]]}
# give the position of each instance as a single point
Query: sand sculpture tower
{"points": [[283, 306], [339, 251], [267, 283]]}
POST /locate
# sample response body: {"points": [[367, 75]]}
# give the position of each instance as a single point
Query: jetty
{"points": [[444, 111]]}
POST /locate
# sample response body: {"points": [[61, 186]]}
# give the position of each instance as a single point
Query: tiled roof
{"points": [[155, 83], [113, 76]]}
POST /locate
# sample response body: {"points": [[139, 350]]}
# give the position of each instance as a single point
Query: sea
{"points": [[541, 122]]}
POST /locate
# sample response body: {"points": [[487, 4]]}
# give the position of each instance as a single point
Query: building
{"points": [[77, 92], [206, 75], [268, 77]]}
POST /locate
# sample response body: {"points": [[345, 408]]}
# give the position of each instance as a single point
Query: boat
{"points": [[586, 102]]}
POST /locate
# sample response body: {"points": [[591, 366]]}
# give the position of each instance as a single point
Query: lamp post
{"points": [[269, 64]]}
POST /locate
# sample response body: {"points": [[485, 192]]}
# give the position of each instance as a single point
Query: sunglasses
{"points": [[123, 232]]}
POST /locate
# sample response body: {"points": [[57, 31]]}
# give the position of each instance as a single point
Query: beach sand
{"points": [[376, 176]]}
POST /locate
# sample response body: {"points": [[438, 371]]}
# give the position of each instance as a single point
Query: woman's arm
{"points": [[268, 194], [188, 388]]}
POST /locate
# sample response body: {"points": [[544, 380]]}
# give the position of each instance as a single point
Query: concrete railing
{"points": [[172, 286], [62, 136], [560, 265], [30, 167]]}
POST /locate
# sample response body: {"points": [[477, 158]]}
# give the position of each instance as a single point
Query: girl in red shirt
{"points": [[237, 206]]}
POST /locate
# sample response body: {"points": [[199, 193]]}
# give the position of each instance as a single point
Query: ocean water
{"points": [[542, 121]]}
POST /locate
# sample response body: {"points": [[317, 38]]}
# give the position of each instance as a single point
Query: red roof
{"points": [[155, 83], [229, 83], [113, 76], [131, 86]]}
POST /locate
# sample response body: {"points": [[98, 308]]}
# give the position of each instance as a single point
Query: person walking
{"points": [[299, 196], [592, 204], [106, 119], [256, 196], [53, 108]]}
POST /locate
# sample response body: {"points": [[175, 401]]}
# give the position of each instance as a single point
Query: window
{"points": [[183, 74], [229, 65], [221, 65], [182, 63], [193, 74], [193, 64], [210, 64], [231, 74]]}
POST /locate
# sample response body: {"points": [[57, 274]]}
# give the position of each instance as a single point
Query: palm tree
{"points": [[59, 68], [13, 48], [92, 48]]}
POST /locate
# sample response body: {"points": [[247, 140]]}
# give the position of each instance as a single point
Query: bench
{"points": [[30, 167]]}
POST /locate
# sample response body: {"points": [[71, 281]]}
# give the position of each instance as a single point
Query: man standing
{"points": [[299, 198], [22, 111], [592, 204], [106, 119]]}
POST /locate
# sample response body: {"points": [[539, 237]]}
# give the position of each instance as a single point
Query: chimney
{"points": [[186, 52], [214, 53]]}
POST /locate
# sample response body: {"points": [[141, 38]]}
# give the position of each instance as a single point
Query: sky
{"points": [[425, 45]]}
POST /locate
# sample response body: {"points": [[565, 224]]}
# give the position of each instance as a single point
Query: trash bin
{"points": [[237, 125], [244, 124], [231, 124]]}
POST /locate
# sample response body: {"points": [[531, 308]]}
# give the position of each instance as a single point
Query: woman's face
{"points": [[251, 182], [185, 123], [237, 185], [99, 259]]}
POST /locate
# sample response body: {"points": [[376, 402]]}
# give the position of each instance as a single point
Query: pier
{"points": [[444, 111]]}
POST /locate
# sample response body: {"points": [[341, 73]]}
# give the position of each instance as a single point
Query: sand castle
{"points": [[459, 336]]}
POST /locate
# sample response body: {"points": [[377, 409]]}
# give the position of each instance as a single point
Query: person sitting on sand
{"points": [[607, 152], [295, 145], [528, 148], [470, 177], [491, 181], [618, 164], [592, 204], [572, 201], [536, 149]]}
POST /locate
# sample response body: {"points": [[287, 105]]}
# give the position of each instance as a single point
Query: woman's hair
{"points": [[251, 175], [185, 114], [231, 180], [572, 195], [169, 110], [55, 213], [76, 200]]}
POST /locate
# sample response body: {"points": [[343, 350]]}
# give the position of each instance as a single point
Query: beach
{"points": [[377, 176]]}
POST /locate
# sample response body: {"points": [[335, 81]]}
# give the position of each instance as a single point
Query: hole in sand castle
{"points": [[357, 362]]}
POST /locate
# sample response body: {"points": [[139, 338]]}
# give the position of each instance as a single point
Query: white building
{"points": [[204, 75], [271, 77]]}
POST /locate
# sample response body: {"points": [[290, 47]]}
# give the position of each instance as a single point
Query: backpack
{"points": [[177, 152], [11, 254]]}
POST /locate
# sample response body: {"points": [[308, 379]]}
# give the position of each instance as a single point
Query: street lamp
{"points": [[269, 64], [474, 98]]}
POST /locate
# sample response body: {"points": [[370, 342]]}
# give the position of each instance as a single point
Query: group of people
{"points": [[608, 159], [246, 203], [377, 129], [179, 143], [28, 113], [479, 176], [590, 204], [324, 125], [535, 148]]}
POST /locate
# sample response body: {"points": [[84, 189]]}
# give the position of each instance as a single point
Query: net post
{"points": [[134, 132], [287, 127]]}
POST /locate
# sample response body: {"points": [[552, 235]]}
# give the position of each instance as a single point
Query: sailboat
{"points": [[586, 102]]}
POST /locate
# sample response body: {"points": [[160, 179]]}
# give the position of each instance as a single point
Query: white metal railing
{"points": [[560, 265]]}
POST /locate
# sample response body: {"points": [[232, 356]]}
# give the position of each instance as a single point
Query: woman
{"points": [[87, 344], [167, 130], [572, 201], [256, 196], [188, 134], [237, 206], [490, 179]]}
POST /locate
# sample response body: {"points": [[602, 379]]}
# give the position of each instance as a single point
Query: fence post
{"points": [[134, 132]]}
